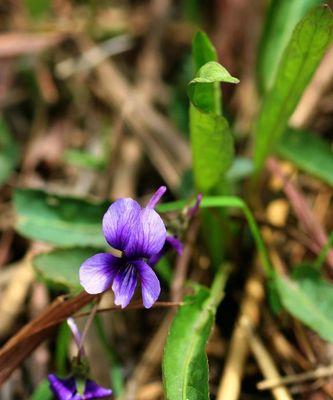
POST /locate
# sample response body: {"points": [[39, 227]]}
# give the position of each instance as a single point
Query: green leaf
{"points": [[185, 366], [9, 153], [60, 267], [63, 221], [308, 152], [211, 139], [212, 148], [203, 50], [240, 169], [309, 298], [281, 20], [42, 392], [38, 8], [306, 48], [213, 72], [84, 159], [203, 91]]}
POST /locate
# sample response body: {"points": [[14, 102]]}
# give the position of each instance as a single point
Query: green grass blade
{"points": [[281, 20], [306, 48]]}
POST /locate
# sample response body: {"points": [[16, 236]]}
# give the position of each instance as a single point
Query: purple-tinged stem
{"points": [[193, 210], [87, 326]]}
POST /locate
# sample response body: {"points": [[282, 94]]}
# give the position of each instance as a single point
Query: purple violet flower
{"points": [[66, 389], [140, 234]]}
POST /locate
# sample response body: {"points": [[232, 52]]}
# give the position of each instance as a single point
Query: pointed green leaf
{"points": [[211, 139], [185, 366], [282, 17], [308, 43], [203, 50]]}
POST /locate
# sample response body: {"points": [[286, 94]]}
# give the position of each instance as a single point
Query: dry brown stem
{"points": [[230, 384], [265, 362], [320, 372]]}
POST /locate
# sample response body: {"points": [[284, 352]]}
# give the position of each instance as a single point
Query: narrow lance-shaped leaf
{"points": [[306, 48], [185, 365], [211, 139], [281, 20]]}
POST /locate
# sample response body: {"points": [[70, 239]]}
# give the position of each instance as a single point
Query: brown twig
{"points": [[133, 306], [320, 372], [165, 147], [36, 331]]}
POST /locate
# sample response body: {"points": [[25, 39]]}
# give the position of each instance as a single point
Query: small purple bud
{"points": [[195, 208], [76, 335], [156, 197]]}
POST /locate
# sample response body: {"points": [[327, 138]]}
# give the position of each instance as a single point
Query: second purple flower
{"points": [[140, 234]]}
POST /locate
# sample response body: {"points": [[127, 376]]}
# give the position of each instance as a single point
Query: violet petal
{"points": [[119, 222], [148, 235], [150, 285], [124, 285], [75, 330], [63, 389], [94, 391], [98, 271], [175, 243]]}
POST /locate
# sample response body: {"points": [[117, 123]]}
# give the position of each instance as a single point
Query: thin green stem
{"points": [[230, 202]]}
